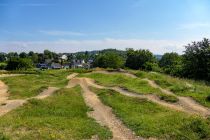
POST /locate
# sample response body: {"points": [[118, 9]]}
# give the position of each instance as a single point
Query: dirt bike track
{"points": [[185, 104], [7, 105], [102, 113]]}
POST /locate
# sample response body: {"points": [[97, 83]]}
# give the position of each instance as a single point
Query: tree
{"points": [[19, 64], [12, 55], [23, 55], [171, 63], [137, 59], [108, 60], [2, 57], [196, 60], [48, 54]]}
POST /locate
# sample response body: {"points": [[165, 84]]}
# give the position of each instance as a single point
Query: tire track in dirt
{"points": [[102, 113], [188, 104], [9, 105]]}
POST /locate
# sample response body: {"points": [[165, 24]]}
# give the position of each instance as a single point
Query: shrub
{"points": [[19, 64], [168, 98]]}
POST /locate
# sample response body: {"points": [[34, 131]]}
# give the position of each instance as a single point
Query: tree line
{"points": [[194, 63]]}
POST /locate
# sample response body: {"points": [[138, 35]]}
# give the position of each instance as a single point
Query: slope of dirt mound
{"points": [[103, 114], [10, 75], [185, 104], [3, 92], [8, 105], [46, 93], [125, 73]]}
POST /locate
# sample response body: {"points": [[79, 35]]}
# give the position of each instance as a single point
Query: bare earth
{"points": [[10, 75], [102, 113]]}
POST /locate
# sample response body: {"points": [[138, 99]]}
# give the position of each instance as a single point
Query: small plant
{"points": [[168, 98]]}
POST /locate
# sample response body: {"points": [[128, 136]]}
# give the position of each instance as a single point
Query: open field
{"points": [[105, 105]]}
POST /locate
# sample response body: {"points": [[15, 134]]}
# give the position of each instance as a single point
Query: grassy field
{"points": [[147, 119], [131, 84], [32, 84], [182, 87], [61, 116]]}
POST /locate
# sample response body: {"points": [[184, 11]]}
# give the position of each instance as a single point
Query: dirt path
{"points": [[10, 75], [8, 105], [186, 103], [124, 73], [102, 113]]}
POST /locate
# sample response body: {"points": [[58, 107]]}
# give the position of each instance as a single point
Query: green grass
{"points": [[198, 90], [32, 84], [148, 119], [132, 84], [61, 116]]}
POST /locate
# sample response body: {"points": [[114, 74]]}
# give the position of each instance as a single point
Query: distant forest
{"points": [[194, 63]]}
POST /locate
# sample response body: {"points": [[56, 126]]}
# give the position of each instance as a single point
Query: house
{"points": [[42, 66], [64, 57], [81, 64], [56, 66]]}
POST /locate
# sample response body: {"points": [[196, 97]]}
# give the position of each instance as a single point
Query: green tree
{"points": [[2, 57], [108, 60], [196, 60], [171, 63], [23, 55], [48, 54], [137, 59], [19, 64]]}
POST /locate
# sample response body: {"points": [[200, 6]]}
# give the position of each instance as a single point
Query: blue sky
{"points": [[77, 25]]}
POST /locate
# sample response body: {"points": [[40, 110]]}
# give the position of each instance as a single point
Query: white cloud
{"points": [[156, 46], [61, 33]]}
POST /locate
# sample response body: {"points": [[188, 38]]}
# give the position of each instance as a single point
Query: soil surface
{"points": [[102, 113]]}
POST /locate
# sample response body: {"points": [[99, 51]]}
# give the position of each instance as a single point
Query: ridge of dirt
{"points": [[9, 105], [188, 104], [102, 113], [10, 75], [180, 106], [125, 73]]}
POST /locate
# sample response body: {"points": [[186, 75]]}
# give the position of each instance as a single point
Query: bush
{"points": [[109, 60], [168, 98], [19, 64], [3, 66], [151, 66]]}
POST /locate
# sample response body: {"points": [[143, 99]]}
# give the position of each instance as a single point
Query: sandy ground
{"points": [[102, 113]]}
